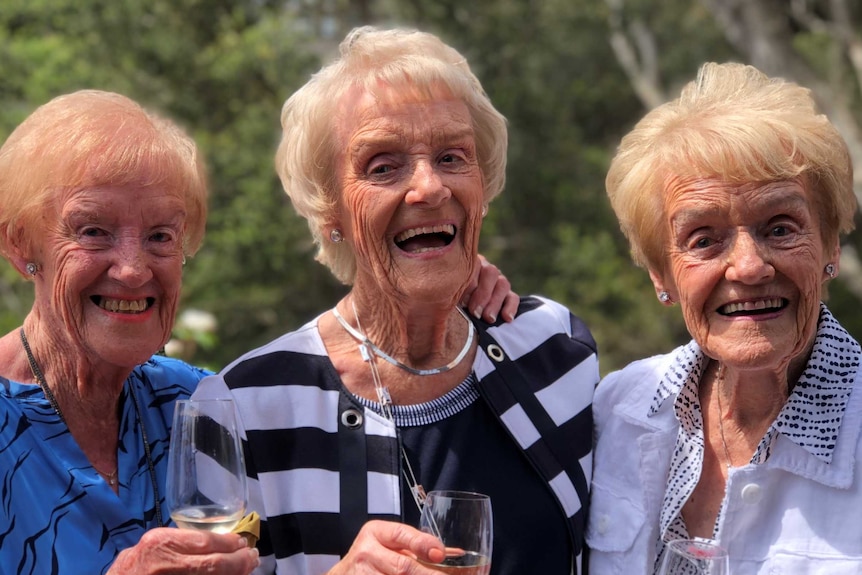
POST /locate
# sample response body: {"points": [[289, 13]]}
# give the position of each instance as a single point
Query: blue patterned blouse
{"points": [[57, 515]]}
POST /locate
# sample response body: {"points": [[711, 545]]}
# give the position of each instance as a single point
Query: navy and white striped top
{"points": [[321, 463]]}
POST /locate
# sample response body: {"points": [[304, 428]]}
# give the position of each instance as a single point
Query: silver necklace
{"points": [[364, 341], [367, 351], [719, 380], [111, 478]]}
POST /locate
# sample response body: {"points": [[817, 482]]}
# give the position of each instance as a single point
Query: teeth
{"points": [[438, 229], [752, 305], [123, 305]]}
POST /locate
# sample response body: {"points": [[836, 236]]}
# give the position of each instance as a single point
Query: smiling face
{"points": [[411, 192], [746, 264], [111, 271]]}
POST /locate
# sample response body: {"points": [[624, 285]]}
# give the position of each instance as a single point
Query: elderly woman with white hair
{"points": [[393, 153], [734, 197]]}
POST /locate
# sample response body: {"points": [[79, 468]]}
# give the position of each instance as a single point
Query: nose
{"points": [[748, 261], [130, 265], [426, 186]]}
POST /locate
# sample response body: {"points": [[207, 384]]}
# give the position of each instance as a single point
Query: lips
{"points": [[425, 238], [129, 306], [753, 307]]}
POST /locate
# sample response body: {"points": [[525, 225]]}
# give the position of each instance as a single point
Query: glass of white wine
{"points": [[694, 557], [206, 483], [462, 520]]}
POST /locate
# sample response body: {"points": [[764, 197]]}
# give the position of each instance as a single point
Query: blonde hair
{"points": [[735, 124], [306, 156], [92, 138]]}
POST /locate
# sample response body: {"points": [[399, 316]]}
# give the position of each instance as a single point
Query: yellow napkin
{"points": [[249, 527]]}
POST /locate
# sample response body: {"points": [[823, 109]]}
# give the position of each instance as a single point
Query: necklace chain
{"points": [[111, 478], [369, 354], [364, 341], [719, 380]]}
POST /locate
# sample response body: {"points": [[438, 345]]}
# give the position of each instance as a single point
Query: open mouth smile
{"points": [[129, 306], [751, 308], [425, 238]]}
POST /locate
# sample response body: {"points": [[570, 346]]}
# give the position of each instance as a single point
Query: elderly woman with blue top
{"points": [[393, 153], [100, 202], [734, 197]]}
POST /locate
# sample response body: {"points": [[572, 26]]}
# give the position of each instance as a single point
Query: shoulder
{"points": [[539, 318], [162, 372], [303, 341], [298, 358], [636, 382]]}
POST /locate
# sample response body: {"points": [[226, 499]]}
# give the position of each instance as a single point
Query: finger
{"points": [[499, 295], [474, 281], [190, 541], [240, 562], [510, 306], [401, 537], [480, 301]]}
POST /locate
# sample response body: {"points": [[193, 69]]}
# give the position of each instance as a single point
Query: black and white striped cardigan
{"points": [[320, 465]]}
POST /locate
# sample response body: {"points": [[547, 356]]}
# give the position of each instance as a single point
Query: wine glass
{"points": [[462, 521], [694, 557], [206, 484]]}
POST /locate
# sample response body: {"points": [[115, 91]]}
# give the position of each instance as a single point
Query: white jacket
{"points": [[794, 514]]}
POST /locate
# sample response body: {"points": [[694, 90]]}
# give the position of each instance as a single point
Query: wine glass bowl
{"points": [[206, 483], [462, 520], [694, 557]]}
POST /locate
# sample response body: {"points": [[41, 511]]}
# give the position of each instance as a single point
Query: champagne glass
{"points": [[694, 557], [462, 521], [206, 483]]}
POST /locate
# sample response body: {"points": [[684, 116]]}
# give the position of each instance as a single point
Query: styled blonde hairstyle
{"points": [[369, 58], [735, 124], [92, 138]]}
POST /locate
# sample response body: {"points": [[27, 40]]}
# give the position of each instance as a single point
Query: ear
{"points": [[14, 240], [660, 284], [835, 259]]}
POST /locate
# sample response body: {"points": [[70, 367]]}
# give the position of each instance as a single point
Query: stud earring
{"points": [[484, 210], [830, 270], [663, 296], [184, 259], [32, 268], [336, 236]]}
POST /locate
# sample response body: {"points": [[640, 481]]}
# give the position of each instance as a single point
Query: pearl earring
{"points": [[663, 296], [336, 236]]}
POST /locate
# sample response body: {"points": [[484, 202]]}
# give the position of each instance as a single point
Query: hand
{"points": [[490, 294], [168, 551], [386, 547]]}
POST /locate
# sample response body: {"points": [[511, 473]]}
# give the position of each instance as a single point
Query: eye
{"points": [[381, 169], [91, 232], [703, 242], [161, 237], [451, 157], [779, 231]]}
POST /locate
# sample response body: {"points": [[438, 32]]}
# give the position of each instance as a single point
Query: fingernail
{"points": [[493, 318], [477, 313]]}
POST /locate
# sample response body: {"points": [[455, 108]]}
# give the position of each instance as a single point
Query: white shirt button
{"points": [[603, 524], [751, 493]]}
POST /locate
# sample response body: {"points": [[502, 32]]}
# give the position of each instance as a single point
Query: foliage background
{"points": [[557, 69]]}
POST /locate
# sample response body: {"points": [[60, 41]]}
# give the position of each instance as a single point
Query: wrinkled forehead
{"points": [[360, 103]]}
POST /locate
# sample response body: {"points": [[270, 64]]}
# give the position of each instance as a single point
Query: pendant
{"points": [[419, 493]]}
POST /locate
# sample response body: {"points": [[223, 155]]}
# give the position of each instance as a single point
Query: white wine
{"points": [[206, 518], [470, 563]]}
